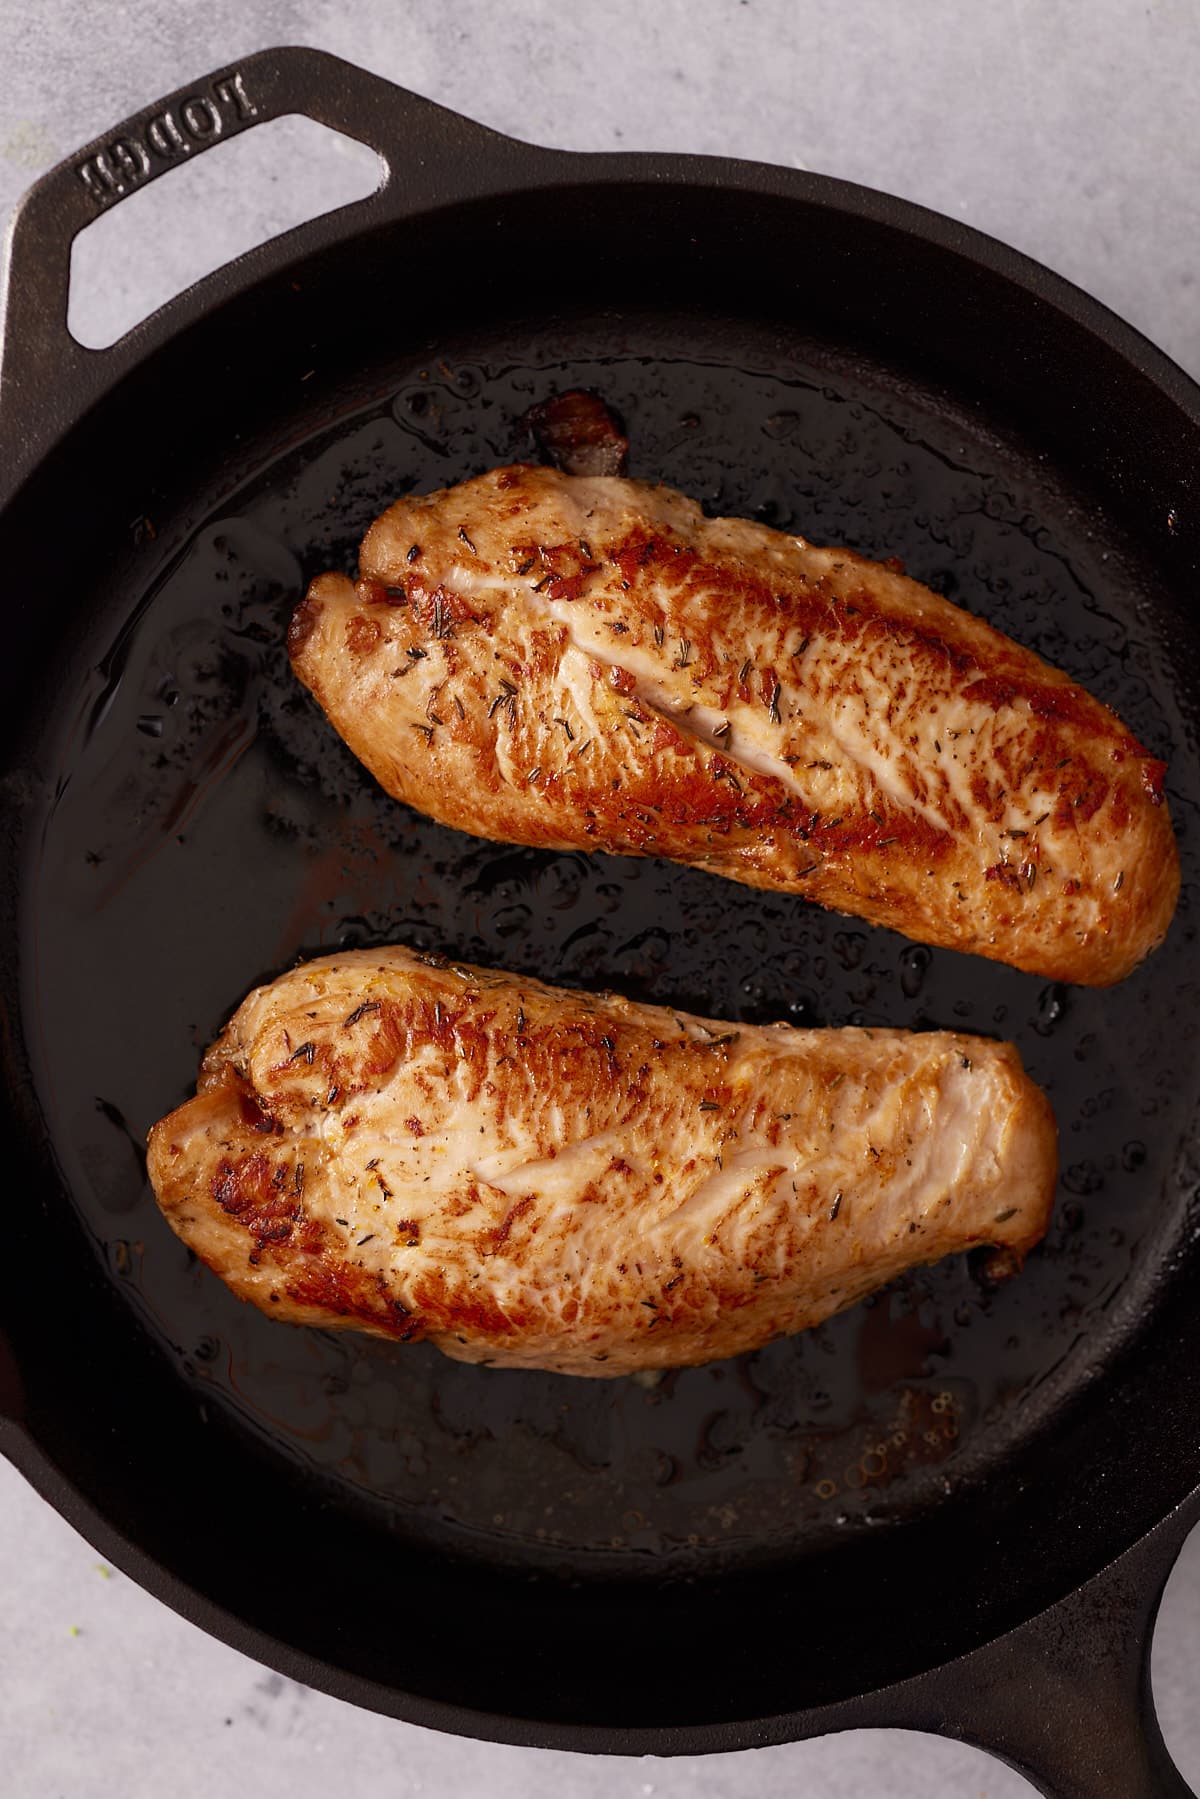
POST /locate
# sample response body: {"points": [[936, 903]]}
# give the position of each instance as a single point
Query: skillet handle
{"points": [[436, 154], [1066, 1699]]}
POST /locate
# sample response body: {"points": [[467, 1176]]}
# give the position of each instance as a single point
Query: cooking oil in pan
{"points": [[210, 828]]}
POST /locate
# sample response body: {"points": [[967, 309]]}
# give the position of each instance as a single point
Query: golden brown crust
{"points": [[537, 1178], [591, 663]]}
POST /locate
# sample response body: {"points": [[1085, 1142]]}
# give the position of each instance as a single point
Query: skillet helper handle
{"points": [[1066, 1699], [40, 360]]}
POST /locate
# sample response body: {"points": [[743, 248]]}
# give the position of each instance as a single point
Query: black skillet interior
{"points": [[727, 1543]]}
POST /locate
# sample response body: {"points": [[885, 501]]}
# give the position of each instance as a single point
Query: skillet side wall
{"points": [[244, 1529]]}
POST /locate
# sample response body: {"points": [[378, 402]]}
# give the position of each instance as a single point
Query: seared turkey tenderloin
{"points": [[589, 662], [535, 1178]]}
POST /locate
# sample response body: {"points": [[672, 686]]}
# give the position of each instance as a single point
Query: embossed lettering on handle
{"points": [[192, 123]]}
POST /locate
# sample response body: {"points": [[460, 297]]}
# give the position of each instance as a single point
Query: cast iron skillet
{"points": [[953, 1508]]}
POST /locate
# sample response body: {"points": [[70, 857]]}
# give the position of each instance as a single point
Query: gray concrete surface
{"points": [[1069, 129]]}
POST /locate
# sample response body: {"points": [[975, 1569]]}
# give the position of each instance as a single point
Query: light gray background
{"points": [[1068, 127]]}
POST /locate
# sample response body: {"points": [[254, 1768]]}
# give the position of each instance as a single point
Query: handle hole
{"points": [[197, 217], [1173, 1661]]}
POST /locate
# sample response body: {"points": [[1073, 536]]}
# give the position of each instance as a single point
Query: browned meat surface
{"points": [[579, 434], [542, 1179], [590, 662]]}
